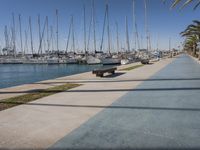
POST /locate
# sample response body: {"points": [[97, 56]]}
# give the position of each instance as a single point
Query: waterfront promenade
{"points": [[155, 106]]}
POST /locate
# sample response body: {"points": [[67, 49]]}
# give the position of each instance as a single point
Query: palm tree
{"points": [[192, 35], [191, 44], [188, 46], [185, 3]]}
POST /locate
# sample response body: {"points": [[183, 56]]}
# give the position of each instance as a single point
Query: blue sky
{"points": [[163, 23]]}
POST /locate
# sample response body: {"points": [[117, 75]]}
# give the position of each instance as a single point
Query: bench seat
{"points": [[100, 72]]}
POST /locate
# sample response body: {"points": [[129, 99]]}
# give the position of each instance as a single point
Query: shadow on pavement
{"points": [[107, 90], [114, 75], [118, 74], [108, 107], [110, 149], [127, 149]]}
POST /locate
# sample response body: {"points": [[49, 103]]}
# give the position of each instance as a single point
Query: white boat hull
{"points": [[125, 61], [71, 61], [111, 61], [52, 61], [93, 60]]}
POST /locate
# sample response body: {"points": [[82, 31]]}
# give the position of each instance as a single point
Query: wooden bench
{"points": [[100, 72], [145, 61]]}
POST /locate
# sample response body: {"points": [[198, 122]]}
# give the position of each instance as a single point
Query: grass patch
{"points": [[34, 95], [131, 68]]}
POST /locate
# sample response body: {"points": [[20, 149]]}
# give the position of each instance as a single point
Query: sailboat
{"points": [[109, 59], [145, 56], [91, 60], [71, 56], [126, 60], [129, 59]]}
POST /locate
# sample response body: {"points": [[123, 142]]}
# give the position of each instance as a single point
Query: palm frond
{"points": [[196, 21], [197, 5], [186, 3], [176, 2], [186, 34]]}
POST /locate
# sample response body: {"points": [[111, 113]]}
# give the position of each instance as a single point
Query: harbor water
{"points": [[18, 74]]}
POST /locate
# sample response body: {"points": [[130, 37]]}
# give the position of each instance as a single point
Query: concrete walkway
{"points": [[161, 113], [41, 123]]}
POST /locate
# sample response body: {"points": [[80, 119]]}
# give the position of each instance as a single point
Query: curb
{"points": [[196, 59]]}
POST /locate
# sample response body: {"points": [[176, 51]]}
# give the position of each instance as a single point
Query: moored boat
{"points": [[125, 61], [111, 61], [92, 60]]}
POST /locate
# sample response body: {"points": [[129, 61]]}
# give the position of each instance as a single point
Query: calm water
{"points": [[18, 74]]}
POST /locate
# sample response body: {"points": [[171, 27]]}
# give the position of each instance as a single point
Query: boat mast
{"points": [[149, 41], [40, 36], [108, 29], [89, 34], [104, 26], [85, 43], [136, 30], [73, 38], [57, 30], [146, 28], [117, 32], [69, 34], [48, 43], [14, 35], [142, 42], [26, 42], [127, 36], [30, 27], [20, 32], [94, 25], [52, 38], [6, 37]]}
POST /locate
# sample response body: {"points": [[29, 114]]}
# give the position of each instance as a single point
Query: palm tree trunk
{"points": [[199, 54], [199, 46], [194, 49]]}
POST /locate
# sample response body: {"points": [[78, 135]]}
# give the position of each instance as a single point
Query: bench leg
{"points": [[112, 72], [99, 75]]}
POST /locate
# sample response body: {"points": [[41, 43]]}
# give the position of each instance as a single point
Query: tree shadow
{"points": [[107, 107], [106, 90], [118, 74], [113, 75], [124, 148]]}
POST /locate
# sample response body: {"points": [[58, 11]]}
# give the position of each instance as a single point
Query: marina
{"points": [[109, 49], [99, 74]]}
